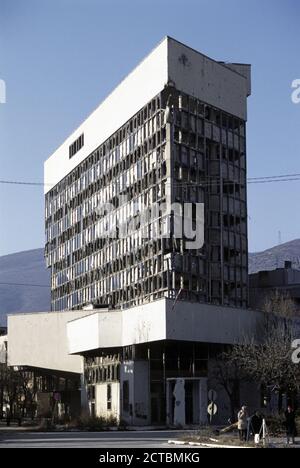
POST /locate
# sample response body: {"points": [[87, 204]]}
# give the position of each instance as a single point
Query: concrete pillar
{"points": [[179, 410], [203, 400], [84, 403]]}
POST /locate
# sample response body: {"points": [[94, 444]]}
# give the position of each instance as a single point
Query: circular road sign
{"points": [[212, 409]]}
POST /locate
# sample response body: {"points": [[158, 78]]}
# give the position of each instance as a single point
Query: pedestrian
{"points": [[256, 423], [18, 416], [290, 425], [243, 423], [8, 416]]}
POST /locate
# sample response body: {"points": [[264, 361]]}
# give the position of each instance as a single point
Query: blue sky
{"points": [[60, 58]]}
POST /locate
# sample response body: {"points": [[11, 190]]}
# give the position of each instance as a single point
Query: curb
{"points": [[203, 444], [177, 442]]}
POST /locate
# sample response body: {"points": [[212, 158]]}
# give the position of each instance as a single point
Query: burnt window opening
{"points": [[126, 396], [76, 146], [109, 397]]}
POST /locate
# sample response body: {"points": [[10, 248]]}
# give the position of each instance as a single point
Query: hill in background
{"points": [[23, 268], [275, 257]]}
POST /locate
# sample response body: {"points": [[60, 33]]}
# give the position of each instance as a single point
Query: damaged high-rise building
{"points": [[172, 132], [171, 284]]}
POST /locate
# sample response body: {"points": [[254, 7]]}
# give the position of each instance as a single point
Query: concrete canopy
{"points": [[161, 320]]}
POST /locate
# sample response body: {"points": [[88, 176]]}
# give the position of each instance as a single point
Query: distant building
{"points": [[284, 281], [37, 344]]}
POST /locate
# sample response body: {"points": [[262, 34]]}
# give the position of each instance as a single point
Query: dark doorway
{"points": [[189, 407], [157, 403]]}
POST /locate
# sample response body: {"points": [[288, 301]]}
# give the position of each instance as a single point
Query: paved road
{"points": [[120, 439]]}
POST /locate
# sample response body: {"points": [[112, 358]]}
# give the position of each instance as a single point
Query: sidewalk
{"points": [[13, 427], [210, 442]]}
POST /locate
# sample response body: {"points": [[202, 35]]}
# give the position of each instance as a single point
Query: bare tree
{"points": [[17, 388], [28, 391], [11, 384], [270, 361], [229, 376], [279, 304], [2, 387]]}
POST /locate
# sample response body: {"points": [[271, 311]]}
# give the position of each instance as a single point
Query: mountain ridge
{"points": [[274, 257], [18, 271]]}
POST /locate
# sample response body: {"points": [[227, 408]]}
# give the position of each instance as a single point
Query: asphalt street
{"points": [[119, 439]]}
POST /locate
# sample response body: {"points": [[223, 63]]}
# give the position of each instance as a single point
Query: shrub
{"points": [[46, 425], [93, 423], [298, 425], [275, 425]]}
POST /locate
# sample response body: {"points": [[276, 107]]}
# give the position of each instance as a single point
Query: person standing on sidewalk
{"points": [[290, 425], [256, 423], [243, 423]]}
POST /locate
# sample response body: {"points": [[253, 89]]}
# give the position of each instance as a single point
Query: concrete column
{"points": [[168, 409], [203, 401], [83, 396], [179, 410]]}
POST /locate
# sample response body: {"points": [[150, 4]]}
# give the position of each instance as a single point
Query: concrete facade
{"points": [[160, 321], [108, 407], [136, 409], [39, 340]]}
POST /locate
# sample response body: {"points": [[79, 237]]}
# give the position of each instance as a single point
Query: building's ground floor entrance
{"points": [[186, 401], [160, 383]]}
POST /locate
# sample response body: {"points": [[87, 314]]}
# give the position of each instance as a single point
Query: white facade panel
{"points": [[208, 80], [208, 323], [40, 340], [136, 373], [225, 86], [101, 400], [162, 320], [139, 87], [144, 323], [85, 334], [99, 330]]}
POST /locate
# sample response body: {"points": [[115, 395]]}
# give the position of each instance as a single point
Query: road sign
{"points": [[212, 395], [212, 409]]}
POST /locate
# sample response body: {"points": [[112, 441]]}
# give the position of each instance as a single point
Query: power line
{"points": [[273, 180], [283, 177], [229, 182], [18, 182], [208, 181], [213, 183], [26, 284], [274, 177]]}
